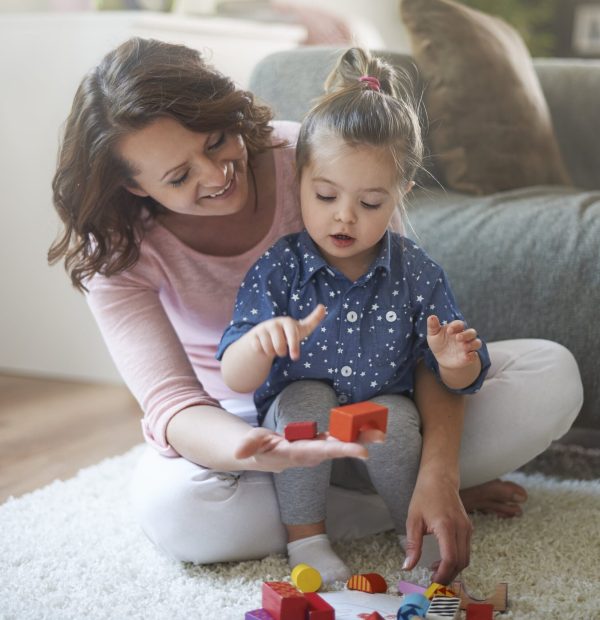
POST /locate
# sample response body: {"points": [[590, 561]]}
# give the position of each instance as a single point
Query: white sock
{"points": [[316, 551]]}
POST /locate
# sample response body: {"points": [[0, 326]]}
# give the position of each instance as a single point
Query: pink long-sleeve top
{"points": [[163, 318]]}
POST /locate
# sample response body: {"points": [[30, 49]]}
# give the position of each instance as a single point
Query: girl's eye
{"points": [[180, 181], [325, 198], [367, 205], [218, 143]]}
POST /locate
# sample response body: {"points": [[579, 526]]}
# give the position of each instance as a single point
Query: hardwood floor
{"points": [[50, 429]]}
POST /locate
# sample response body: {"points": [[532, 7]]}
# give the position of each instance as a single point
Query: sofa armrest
{"points": [[572, 90]]}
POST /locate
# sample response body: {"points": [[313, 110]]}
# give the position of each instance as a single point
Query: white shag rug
{"points": [[72, 551]]}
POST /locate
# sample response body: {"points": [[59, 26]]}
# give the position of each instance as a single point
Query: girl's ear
{"points": [[408, 187], [137, 191]]}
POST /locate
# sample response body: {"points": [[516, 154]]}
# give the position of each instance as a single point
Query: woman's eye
{"points": [[325, 198], [368, 205], [180, 181], [219, 141]]}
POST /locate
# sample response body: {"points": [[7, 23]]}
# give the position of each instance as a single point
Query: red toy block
{"points": [[283, 601], [345, 423], [258, 614], [372, 583], [480, 611], [374, 616], [300, 430], [318, 607]]}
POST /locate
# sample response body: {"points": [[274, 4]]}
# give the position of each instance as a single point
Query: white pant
{"points": [[531, 396]]}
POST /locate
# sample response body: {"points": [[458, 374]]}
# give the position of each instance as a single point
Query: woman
{"points": [[170, 183]]}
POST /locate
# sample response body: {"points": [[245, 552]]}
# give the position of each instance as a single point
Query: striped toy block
{"points": [[283, 601], [444, 608], [372, 583]]}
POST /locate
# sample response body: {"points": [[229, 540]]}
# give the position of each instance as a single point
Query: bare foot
{"points": [[497, 496]]}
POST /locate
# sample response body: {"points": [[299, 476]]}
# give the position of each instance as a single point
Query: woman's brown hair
{"points": [[138, 82]]}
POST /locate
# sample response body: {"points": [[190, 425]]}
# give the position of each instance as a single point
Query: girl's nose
{"points": [[345, 214]]}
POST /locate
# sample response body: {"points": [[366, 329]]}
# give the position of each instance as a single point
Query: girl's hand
{"points": [[453, 345], [272, 452], [283, 334], [436, 508]]}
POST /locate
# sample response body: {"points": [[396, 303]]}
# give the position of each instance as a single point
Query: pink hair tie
{"points": [[372, 82]]}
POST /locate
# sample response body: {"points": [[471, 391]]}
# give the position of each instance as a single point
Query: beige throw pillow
{"points": [[489, 124]]}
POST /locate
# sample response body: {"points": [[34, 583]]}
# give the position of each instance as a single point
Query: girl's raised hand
{"points": [[283, 334], [452, 344]]}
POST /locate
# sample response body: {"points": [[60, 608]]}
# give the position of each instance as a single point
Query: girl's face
{"points": [[188, 172], [348, 195]]}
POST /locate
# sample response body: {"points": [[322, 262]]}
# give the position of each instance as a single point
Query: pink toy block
{"points": [[283, 601], [300, 430], [406, 587], [318, 607]]}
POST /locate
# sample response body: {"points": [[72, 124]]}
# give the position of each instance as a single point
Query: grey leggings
{"points": [[391, 469]]}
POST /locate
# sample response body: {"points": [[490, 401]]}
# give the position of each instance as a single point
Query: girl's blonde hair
{"points": [[376, 110], [137, 83]]}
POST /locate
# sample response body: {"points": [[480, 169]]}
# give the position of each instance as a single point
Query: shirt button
{"points": [[346, 371], [390, 316], [342, 399], [352, 316]]}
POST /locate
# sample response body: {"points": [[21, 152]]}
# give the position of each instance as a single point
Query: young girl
{"points": [[171, 182], [389, 306]]}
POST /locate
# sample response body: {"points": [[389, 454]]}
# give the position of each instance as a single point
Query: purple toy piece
{"points": [[406, 587], [258, 614]]}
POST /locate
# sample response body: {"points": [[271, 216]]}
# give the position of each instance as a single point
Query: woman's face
{"points": [[188, 172]]}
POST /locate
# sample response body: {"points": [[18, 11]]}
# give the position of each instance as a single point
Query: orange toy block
{"points": [[499, 599], [300, 430], [318, 607], [373, 583], [345, 423], [283, 601]]}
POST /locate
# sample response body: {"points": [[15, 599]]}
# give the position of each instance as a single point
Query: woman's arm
{"points": [[436, 507]]}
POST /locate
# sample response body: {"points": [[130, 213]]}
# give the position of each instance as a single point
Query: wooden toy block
{"points": [[373, 583], [499, 598], [374, 616], [443, 608], [306, 578], [406, 587], [480, 611], [258, 614], [283, 601], [318, 608], [345, 423], [438, 589], [300, 430]]}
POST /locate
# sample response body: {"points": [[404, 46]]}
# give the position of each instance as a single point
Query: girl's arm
{"points": [[436, 507], [246, 362]]}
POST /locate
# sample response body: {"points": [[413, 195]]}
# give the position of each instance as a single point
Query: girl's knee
{"points": [[306, 400]]}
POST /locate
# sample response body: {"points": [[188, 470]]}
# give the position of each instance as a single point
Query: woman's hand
{"points": [[437, 509], [283, 334], [272, 452]]}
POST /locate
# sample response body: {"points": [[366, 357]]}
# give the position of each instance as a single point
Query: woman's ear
{"points": [[137, 191]]}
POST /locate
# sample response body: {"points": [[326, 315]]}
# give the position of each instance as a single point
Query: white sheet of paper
{"points": [[354, 605]]}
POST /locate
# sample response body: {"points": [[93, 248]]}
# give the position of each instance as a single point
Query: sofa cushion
{"points": [[523, 264], [490, 127]]}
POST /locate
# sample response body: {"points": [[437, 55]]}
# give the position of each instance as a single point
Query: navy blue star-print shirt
{"points": [[375, 330]]}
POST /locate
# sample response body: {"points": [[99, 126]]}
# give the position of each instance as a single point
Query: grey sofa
{"points": [[523, 263]]}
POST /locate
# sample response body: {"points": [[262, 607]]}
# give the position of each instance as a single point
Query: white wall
{"points": [[45, 326]]}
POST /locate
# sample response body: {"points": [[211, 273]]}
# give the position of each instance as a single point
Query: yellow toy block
{"points": [[438, 589], [306, 578]]}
